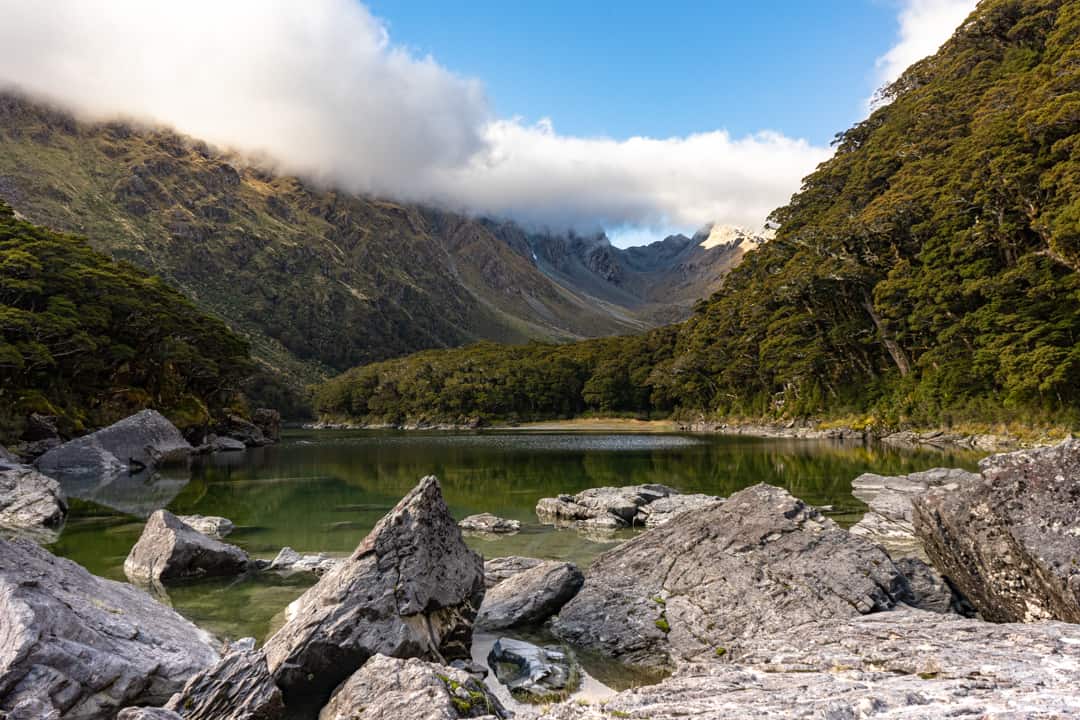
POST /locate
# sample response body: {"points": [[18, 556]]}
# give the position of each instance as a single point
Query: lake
{"points": [[322, 491]]}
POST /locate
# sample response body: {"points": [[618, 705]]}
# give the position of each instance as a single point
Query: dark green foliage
{"points": [[926, 274], [91, 340]]}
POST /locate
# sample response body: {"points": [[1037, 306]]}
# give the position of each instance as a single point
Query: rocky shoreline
{"points": [[796, 430], [757, 606]]}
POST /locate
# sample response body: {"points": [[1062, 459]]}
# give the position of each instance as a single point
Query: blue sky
{"points": [[661, 69], [638, 118]]}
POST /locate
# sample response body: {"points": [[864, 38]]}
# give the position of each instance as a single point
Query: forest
{"points": [[88, 340], [925, 275]]}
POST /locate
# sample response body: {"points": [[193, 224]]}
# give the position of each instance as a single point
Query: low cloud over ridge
{"points": [[320, 87]]}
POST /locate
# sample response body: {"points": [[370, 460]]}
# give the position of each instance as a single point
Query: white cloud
{"points": [[318, 86], [924, 26]]}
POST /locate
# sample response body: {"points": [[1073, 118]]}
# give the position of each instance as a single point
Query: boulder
{"points": [[40, 427], [763, 561], [532, 673], [1009, 540], [498, 569], [170, 550], [663, 510], [388, 688], [929, 590], [487, 523], [290, 561], [888, 519], [211, 526], [611, 507], [84, 646], [529, 597], [904, 664], [411, 589], [269, 422], [237, 688], [242, 429], [30, 501], [143, 440], [216, 443]]}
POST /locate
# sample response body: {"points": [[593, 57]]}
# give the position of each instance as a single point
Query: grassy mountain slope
{"points": [[90, 340], [926, 274], [318, 281]]}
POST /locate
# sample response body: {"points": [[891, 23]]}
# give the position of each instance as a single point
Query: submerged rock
{"points": [[609, 507], [30, 501], [237, 688], [169, 550], [216, 443], [763, 561], [1009, 540], [888, 520], [532, 673], [529, 597], [85, 646], [142, 440], [489, 524], [388, 688], [211, 526], [411, 589], [290, 561], [904, 664]]}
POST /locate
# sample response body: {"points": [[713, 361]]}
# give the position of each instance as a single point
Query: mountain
{"points": [[659, 282], [927, 274], [316, 280], [88, 340]]}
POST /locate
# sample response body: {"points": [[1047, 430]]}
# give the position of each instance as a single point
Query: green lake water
{"points": [[322, 491]]}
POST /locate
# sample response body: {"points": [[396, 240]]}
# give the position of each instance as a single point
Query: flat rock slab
{"points": [[290, 561], [498, 569], [762, 561], [212, 526], [888, 520], [1009, 540], [411, 589], [611, 507], [899, 665], [486, 523], [30, 501], [142, 440], [169, 550], [393, 689], [663, 510], [529, 597], [86, 646]]}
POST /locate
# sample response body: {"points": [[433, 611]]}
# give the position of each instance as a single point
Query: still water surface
{"points": [[322, 491]]}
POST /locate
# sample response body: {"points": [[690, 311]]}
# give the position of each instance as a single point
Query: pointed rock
{"points": [[169, 549], [411, 589]]}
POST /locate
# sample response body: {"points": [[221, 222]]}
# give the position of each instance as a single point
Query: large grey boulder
{"points": [[388, 688], [529, 597], [888, 520], [170, 550], [237, 688], [30, 501], [1009, 540], [411, 589], [899, 665], [143, 440], [763, 561], [85, 646], [609, 507]]}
